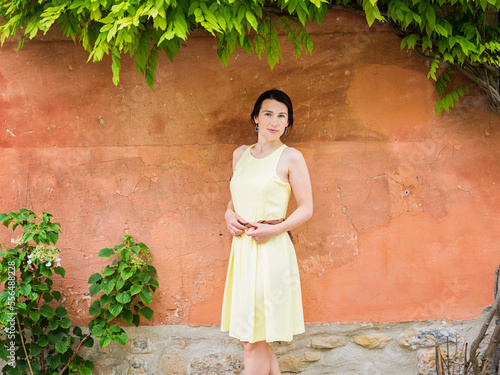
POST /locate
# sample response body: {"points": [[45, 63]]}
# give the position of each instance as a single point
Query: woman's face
{"points": [[272, 118]]}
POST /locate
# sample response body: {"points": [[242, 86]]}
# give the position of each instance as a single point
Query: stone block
{"points": [[182, 343], [139, 345], [215, 364], [104, 368], [172, 364], [312, 356], [414, 338], [328, 341], [290, 363], [138, 366], [373, 341]]}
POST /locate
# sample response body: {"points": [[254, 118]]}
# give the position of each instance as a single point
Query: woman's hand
{"points": [[235, 224], [261, 233]]}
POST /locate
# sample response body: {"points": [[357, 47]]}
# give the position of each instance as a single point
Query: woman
{"points": [[262, 298]]}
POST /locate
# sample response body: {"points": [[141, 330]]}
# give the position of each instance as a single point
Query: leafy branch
{"points": [[461, 34]]}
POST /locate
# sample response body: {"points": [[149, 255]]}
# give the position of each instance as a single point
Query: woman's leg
{"points": [[260, 359], [257, 358], [275, 367]]}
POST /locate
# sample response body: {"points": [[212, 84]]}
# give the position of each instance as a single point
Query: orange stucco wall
{"points": [[406, 203]]}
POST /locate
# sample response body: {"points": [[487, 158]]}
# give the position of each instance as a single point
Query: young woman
{"points": [[262, 298]]}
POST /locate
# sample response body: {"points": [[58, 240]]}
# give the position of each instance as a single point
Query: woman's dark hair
{"points": [[277, 95]]}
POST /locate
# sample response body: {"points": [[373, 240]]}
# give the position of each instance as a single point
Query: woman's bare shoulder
{"points": [[241, 149], [237, 153], [292, 154]]}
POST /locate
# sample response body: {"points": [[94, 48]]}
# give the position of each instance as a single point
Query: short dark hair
{"points": [[277, 95]]}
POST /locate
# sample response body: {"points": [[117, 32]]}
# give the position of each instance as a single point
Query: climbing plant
{"points": [[455, 35]]}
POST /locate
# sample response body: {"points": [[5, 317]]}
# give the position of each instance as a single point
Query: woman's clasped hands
{"points": [[260, 232]]}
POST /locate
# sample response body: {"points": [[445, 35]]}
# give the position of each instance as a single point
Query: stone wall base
{"points": [[335, 349], [395, 348]]}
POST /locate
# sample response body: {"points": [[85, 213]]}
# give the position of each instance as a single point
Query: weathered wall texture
{"points": [[406, 203], [325, 349]]}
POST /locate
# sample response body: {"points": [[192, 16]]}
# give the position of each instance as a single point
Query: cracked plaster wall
{"points": [[406, 203]]}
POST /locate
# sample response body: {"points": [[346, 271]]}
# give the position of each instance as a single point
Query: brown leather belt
{"points": [[272, 222]]}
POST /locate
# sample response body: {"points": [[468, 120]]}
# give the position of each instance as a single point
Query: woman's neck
{"points": [[264, 148]]}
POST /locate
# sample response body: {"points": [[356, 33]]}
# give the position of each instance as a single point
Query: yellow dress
{"points": [[262, 297]]}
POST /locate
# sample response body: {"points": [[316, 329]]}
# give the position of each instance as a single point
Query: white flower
{"points": [[58, 264], [30, 261], [30, 256], [58, 259], [48, 264], [12, 240]]}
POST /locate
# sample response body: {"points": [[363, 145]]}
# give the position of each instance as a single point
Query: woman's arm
{"points": [[235, 224], [298, 176]]}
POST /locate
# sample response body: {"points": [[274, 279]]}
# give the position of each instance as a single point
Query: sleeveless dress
{"points": [[262, 297]]}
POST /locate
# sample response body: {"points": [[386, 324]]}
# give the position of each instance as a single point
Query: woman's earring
{"points": [[256, 127], [286, 130]]}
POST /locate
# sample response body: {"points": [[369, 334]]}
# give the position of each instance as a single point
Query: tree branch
{"points": [[75, 352]]}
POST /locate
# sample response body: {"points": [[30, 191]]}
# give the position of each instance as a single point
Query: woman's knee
{"points": [[253, 347]]}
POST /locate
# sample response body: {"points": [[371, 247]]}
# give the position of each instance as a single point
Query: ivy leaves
{"points": [[28, 302], [455, 33], [144, 29], [29, 307], [126, 289]]}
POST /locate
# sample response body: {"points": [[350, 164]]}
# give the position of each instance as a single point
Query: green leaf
{"points": [[95, 309], [105, 299], [65, 322], [123, 297], [53, 324], [107, 287], [97, 331], [56, 295], [35, 315], [53, 361], [120, 338], [115, 308], [61, 311], [135, 289], [94, 289], [86, 368], [108, 271], [53, 237], [89, 343], [116, 65], [47, 297], [251, 19], [147, 313], [146, 297], [106, 252], [34, 349], [104, 341], [60, 271], [125, 254], [47, 311], [119, 284], [126, 274], [127, 316], [45, 271], [42, 340], [61, 346], [137, 320]]}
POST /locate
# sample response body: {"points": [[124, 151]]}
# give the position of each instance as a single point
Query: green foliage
{"points": [[125, 288], [145, 28], [31, 316], [462, 34]]}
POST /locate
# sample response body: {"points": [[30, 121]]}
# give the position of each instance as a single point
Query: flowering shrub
{"points": [[37, 337]]}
